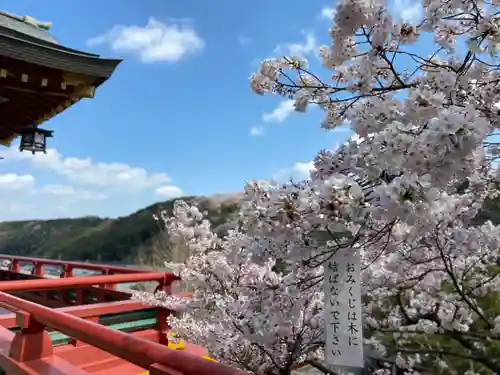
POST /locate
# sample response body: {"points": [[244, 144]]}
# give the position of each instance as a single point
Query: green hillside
{"points": [[103, 240], [135, 239]]}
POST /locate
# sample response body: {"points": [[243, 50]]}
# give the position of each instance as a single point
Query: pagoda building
{"points": [[40, 78]]}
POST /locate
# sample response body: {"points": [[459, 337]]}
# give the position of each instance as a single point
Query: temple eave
{"points": [[39, 78]]}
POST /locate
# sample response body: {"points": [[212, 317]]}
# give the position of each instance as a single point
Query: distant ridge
{"points": [[92, 238]]}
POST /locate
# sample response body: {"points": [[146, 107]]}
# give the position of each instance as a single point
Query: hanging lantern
{"points": [[34, 139]]}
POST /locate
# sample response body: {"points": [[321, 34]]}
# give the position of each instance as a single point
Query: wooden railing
{"points": [[89, 312], [33, 342], [68, 269], [66, 266]]}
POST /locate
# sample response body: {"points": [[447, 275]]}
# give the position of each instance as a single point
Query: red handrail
{"points": [[138, 351], [70, 282], [86, 311], [73, 265]]}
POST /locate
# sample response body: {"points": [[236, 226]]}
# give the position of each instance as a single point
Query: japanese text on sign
{"points": [[344, 336]]}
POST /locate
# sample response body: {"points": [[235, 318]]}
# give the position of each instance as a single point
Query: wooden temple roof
{"points": [[39, 77]]}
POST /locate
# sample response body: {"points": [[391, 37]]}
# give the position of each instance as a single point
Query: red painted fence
{"points": [[30, 352]]}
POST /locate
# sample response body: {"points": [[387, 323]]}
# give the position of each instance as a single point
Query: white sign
{"points": [[344, 330]]}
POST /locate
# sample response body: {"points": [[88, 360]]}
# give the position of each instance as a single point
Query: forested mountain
{"points": [[124, 239]]}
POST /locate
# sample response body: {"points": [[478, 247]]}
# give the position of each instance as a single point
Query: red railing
{"points": [[164, 278], [87, 311], [33, 343], [67, 266]]}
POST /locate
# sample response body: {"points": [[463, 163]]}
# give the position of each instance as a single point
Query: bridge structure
{"points": [[82, 325]]}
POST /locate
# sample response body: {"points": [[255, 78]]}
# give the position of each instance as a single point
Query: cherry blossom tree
{"points": [[247, 314], [404, 191]]}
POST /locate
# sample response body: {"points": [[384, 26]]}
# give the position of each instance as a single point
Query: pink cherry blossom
{"points": [[424, 126]]}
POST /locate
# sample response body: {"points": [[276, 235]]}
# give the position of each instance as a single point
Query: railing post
{"points": [[101, 293], [162, 315], [109, 286], [80, 297], [15, 266], [162, 325], [32, 342], [38, 269], [63, 293], [165, 285], [68, 271]]}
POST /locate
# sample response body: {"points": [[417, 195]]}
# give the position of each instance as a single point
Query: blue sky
{"points": [[178, 116]]}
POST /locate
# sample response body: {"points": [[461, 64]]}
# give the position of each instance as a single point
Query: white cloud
{"points": [[11, 181], [280, 113], [301, 170], [169, 191], [298, 172], [157, 41], [244, 40], [70, 193], [86, 171], [257, 131], [75, 187], [409, 11], [298, 49], [327, 13]]}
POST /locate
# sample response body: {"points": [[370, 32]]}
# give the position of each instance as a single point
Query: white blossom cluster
{"points": [[405, 192]]}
